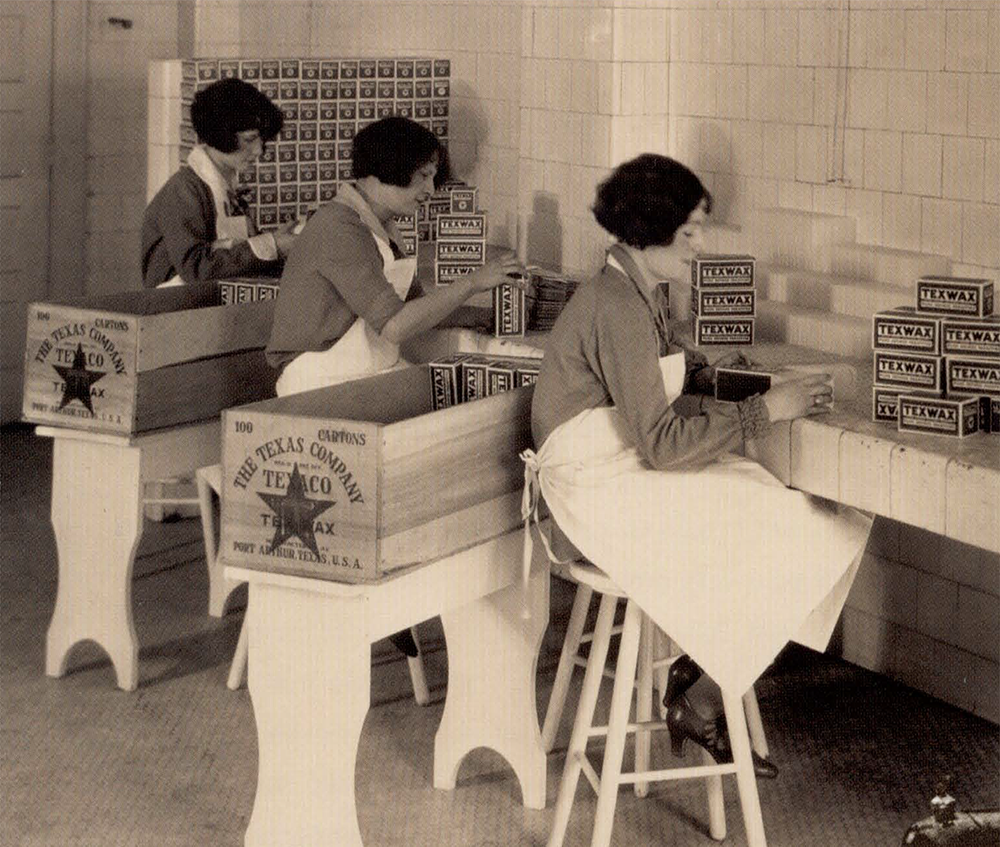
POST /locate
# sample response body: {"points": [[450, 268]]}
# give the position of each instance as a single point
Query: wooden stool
{"points": [[209, 480], [635, 629]]}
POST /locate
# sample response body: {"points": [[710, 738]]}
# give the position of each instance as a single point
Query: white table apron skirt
{"points": [[724, 558]]}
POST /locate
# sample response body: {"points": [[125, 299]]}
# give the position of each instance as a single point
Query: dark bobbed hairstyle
{"points": [[394, 149], [647, 199], [230, 106]]}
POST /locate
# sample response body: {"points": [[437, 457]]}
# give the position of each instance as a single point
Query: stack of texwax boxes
{"points": [[451, 220], [723, 299], [937, 364], [325, 103], [462, 377]]}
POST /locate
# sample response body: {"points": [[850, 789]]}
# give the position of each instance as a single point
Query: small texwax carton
{"points": [[968, 337], [722, 270], [465, 225], [736, 384], [885, 404], [954, 415], [509, 316], [723, 302], [446, 380], [909, 371], [957, 296], [708, 331], [474, 383], [965, 375], [903, 330]]}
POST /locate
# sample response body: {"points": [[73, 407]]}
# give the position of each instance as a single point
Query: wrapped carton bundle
{"points": [[723, 299], [354, 481], [142, 360], [552, 291], [325, 101]]}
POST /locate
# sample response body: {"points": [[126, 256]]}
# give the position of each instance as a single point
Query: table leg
{"points": [[310, 682], [492, 659], [97, 519]]}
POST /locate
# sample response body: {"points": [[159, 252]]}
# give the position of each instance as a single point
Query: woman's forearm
{"points": [[426, 312]]}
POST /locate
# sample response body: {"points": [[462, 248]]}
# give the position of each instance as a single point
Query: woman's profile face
{"points": [[671, 261], [249, 147], [404, 200]]}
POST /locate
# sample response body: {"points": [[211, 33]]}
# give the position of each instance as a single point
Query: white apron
{"points": [[229, 229], [360, 351], [725, 559]]}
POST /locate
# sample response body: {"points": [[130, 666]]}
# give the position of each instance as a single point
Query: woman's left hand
{"points": [[504, 268]]}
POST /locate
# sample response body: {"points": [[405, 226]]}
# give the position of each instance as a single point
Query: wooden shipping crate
{"points": [[353, 481], [142, 360]]}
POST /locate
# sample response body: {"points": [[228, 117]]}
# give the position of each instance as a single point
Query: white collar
{"points": [[349, 196], [201, 163]]}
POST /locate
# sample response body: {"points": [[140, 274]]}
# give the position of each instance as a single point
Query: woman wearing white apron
{"points": [[347, 296], [196, 227], [724, 558]]}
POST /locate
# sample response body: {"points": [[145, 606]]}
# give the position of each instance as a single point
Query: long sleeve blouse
{"points": [[178, 232], [604, 350]]}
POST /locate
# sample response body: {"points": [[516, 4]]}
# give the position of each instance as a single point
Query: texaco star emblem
{"points": [[78, 380], [296, 513]]}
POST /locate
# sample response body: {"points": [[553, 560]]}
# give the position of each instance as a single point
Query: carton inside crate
{"points": [[354, 481]]}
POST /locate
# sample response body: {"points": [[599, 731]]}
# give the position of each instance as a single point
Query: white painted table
{"points": [[310, 681], [97, 485]]}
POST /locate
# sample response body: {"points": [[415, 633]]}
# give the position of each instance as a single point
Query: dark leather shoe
{"points": [[682, 674], [403, 640], [685, 723]]}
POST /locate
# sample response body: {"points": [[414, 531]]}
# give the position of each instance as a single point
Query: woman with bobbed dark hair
{"points": [[347, 296], [729, 562], [197, 227]]}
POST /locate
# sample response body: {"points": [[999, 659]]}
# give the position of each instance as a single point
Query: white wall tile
{"points": [[640, 35], [702, 98], [795, 195], [867, 98], [993, 50], [545, 36], [778, 160], [937, 607], [941, 227], [829, 199], [817, 37], [748, 36], [557, 84], [632, 88], [715, 152], [533, 82], [991, 181], [883, 160], [901, 221], [781, 35], [966, 40], [907, 101], [828, 96], [717, 36], [686, 29], [811, 153], [780, 94], [924, 44], [963, 168], [583, 87], [866, 208], [853, 158], [595, 140], [922, 164], [747, 147], [885, 39], [984, 105], [947, 103], [656, 78], [980, 239], [731, 81]]}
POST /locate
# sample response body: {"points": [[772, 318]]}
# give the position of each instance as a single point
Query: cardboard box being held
{"points": [[142, 360], [351, 482]]}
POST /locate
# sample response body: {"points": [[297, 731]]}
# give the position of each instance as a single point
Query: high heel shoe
{"points": [[682, 674], [712, 735]]}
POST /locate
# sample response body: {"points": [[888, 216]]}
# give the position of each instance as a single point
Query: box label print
{"points": [[508, 310], [463, 252], [461, 226], [716, 302], [980, 339], [908, 370], [721, 270], [944, 295], [79, 365], [885, 404], [901, 329], [300, 499], [955, 416], [446, 380], [972, 376]]}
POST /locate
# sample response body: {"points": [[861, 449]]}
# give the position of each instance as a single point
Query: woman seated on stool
{"points": [[719, 553], [197, 228], [347, 296]]}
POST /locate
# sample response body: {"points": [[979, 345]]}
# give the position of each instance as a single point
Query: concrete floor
{"points": [[83, 764]]}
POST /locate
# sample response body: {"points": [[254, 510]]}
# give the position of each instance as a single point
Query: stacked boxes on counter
{"points": [[937, 364], [450, 219], [723, 299], [246, 290], [325, 102], [551, 293], [462, 377]]}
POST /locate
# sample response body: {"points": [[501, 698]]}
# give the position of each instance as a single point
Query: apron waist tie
{"points": [[529, 511]]}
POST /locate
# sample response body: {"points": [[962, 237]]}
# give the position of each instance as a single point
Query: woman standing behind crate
{"points": [[729, 562], [197, 227], [347, 297]]}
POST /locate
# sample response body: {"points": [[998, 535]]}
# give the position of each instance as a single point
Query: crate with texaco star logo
{"points": [[142, 360], [351, 482]]}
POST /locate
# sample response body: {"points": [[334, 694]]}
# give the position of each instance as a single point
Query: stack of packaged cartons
{"points": [[723, 299], [325, 103], [407, 226], [937, 364], [551, 292], [462, 377]]}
